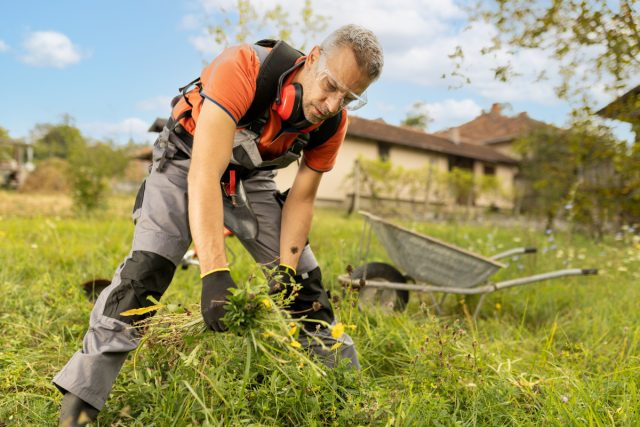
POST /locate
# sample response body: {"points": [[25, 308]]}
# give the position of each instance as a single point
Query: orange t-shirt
{"points": [[230, 82]]}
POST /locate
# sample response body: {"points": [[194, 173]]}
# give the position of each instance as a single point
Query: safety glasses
{"points": [[331, 86]]}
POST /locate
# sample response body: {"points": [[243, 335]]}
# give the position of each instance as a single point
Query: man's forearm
{"points": [[296, 223], [206, 224]]}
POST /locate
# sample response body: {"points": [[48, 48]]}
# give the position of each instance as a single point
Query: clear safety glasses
{"points": [[331, 86]]}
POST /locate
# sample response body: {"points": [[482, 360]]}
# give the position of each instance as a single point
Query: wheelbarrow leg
{"points": [[441, 303], [477, 310], [436, 304]]}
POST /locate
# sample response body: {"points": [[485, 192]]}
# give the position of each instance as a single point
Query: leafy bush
{"points": [[50, 176], [90, 169]]}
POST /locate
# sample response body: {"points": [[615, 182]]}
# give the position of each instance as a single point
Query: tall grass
{"points": [[564, 352]]}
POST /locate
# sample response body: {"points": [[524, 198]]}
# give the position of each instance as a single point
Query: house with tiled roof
{"points": [[411, 149], [494, 130]]}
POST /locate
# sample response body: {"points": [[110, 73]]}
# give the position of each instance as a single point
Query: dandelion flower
{"points": [[338, 330], [293, 329], [295, 344], [266, 303], [498, 306]]}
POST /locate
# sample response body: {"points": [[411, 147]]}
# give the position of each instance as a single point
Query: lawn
{"points": [[563, 352]]}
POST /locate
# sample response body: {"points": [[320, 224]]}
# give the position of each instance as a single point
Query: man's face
{"points": [[331, 81]]}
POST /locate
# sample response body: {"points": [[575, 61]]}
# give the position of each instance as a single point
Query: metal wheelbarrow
{"points": [[434, 267]]}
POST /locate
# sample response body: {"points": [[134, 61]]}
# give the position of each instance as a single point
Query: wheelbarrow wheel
{"points": [[387, 299]]}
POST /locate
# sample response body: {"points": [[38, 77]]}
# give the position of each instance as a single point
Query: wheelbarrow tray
{"points": [[430, 260], [436, 266]]}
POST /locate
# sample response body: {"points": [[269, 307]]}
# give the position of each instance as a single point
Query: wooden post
{"points": [[356, 190]]}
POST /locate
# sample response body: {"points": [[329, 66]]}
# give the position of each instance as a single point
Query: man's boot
{"points": [[76, 412]]}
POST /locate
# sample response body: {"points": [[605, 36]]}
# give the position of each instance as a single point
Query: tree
{"points": [[6, 152], [573, 172], [243, 23], [548, 169], [91, 166], [461, 184], [56, 140], [602, 36], [418, 117]]}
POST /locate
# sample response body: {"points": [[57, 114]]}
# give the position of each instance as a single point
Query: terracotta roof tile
{"points": [[493, 127]]}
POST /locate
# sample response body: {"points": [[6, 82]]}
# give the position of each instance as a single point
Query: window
{"points": [[489, 170], [460, 163], [383, 151]]}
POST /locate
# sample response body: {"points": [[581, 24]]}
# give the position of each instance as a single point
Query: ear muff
{"points": [[290, 106], [288, 102]]}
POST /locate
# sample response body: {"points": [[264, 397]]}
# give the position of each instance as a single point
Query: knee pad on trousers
{"points": [[312, 300], [143, 274]]}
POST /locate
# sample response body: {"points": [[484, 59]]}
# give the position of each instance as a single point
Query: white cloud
{"points": [[418, 36], [397, 23], [160, 104], [450, 112], [50, 49], [130, 128], [3, 46], [206, 44]]}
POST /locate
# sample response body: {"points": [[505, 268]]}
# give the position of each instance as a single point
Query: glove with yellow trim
{"points": [[215, 289]]}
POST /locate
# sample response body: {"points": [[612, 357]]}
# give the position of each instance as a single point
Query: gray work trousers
{"points": [[160, 240]]}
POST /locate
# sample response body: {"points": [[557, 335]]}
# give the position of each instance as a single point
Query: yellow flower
{"points": [[293, 329], [267, 303], [295, 344], [498, 306], [338, 330]]}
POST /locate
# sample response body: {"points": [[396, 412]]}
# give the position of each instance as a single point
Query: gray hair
{"points": [[363, 43]]}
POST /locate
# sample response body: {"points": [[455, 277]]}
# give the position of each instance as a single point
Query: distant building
{"points": [[16, 162], [412, 149], [493, 130]]}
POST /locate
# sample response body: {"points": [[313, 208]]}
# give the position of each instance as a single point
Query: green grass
{"points": [[564, 352]]}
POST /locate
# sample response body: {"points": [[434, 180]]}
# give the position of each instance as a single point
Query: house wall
{"points": [[501, 197], [336, 188], [335, 185]]}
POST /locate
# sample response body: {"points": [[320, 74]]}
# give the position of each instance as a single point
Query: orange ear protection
{"points": [[288, 102]]}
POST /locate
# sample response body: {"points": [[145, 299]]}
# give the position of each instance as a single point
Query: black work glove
{"points": [[215, 289], [282, 279]]}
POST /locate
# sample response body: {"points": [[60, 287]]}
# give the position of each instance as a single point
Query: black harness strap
{"points": [[278, 61]]}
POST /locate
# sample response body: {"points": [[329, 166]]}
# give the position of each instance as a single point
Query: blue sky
{"points": [[114, 66]]}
